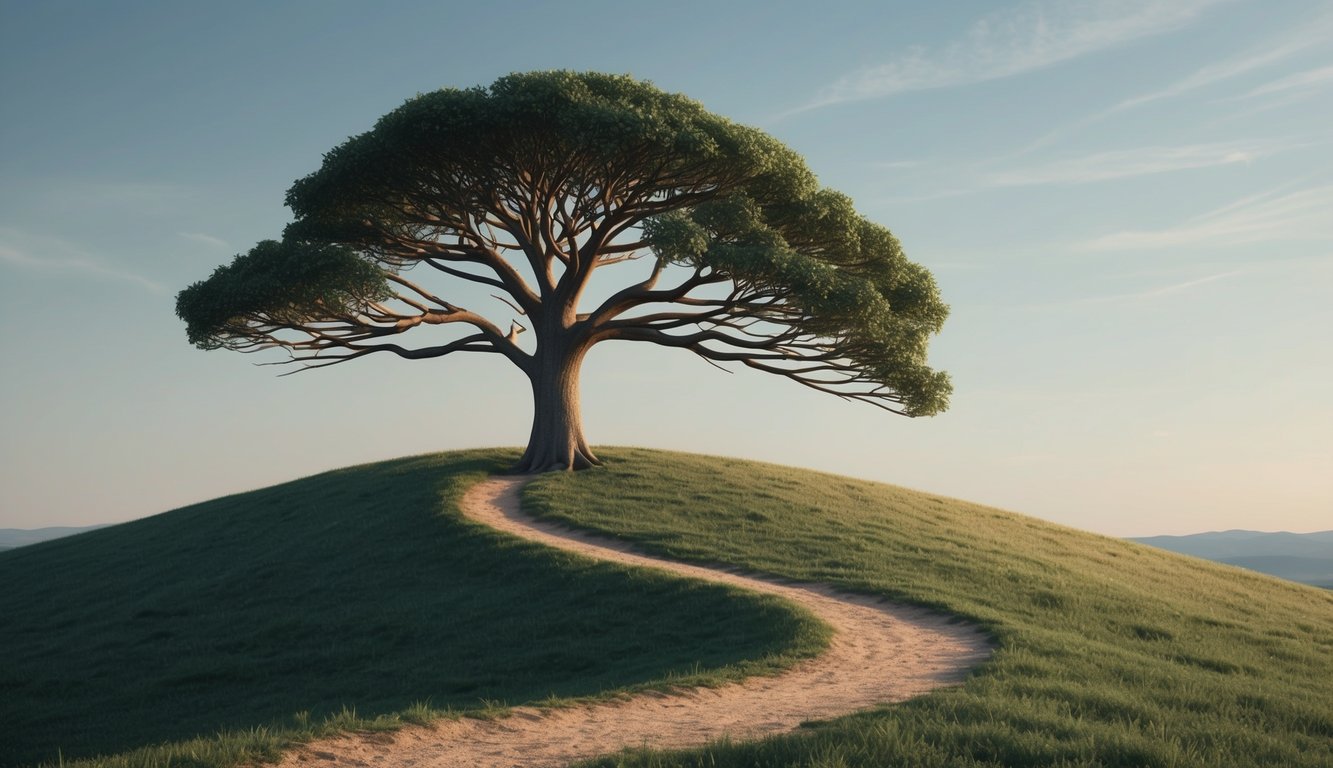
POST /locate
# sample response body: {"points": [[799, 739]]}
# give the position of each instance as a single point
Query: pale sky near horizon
{"points": [[1127, 204]]}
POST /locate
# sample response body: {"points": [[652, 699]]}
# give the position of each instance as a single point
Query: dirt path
{"points": [[880, 653]]}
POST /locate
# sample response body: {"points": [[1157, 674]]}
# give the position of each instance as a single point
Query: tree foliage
{"points": [[524, 189], [278, 285]]}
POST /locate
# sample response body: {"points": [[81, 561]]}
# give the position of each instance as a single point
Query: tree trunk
{"points": [[556, 442]]}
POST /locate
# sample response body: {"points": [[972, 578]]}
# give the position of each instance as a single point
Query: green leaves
{"points": [[814, 267], [277, 284], [444, 156], [676, 238], [550, 175]]}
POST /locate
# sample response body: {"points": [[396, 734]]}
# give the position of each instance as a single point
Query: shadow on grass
{"points": [[359, 588]]}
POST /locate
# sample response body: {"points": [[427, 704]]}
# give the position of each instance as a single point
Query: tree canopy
{"points": [[522, 190]]}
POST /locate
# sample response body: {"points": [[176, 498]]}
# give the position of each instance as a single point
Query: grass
{"points": [[219, 633], [359, 599], [1112, 653]]}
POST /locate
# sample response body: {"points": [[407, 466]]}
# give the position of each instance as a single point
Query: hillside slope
{"points": [[374, 594], [360, 589], [1112, 653]]}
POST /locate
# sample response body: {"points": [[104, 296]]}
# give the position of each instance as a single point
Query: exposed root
{"points": [[541, 462]]}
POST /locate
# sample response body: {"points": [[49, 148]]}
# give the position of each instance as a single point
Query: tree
{"points": [[523, 190]]}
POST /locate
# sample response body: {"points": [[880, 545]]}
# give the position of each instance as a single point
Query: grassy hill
{"points": [[362, 588], [269, 614]]}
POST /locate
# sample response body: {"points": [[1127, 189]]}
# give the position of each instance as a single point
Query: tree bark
{"points": [[556, 442]]}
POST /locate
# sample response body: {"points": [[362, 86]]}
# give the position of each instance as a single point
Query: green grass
{"points": [[1112, 653], [352, 599], [363, 589]]}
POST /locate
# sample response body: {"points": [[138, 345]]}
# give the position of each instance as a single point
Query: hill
{"points": [[360, 591], [363, 588], [1303, 557], [21, 537]]}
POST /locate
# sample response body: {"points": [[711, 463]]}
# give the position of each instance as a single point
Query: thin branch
{"points": [[511, 304]]}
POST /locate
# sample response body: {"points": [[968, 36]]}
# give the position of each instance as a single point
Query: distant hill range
{"points": [[19, 537], [1303, 557]]}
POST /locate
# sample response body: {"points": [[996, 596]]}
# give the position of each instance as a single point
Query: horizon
{"points": [[1125, 205], [1241, 530], [94, 526]]}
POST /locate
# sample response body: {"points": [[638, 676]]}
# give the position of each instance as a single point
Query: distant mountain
{"points": [[19, 537], [1303, 557]]}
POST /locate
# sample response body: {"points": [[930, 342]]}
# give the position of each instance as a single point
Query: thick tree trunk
{"points": [[556, 442]]}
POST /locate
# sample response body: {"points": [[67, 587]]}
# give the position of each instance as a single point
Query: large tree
{"points": [[523, 191]]}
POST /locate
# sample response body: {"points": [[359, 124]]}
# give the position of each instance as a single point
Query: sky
{"points": [[1127, 204]]}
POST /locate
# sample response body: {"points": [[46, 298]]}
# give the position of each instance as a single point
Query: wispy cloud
{"points": [[1174, 288], [151, 198], [1126, 163], [53, 255], [206, 239], [1300, 39], [1271, 216], [1308, 80], [1033, 36], [1309, 34], [1144, 294], [1100, 166]]}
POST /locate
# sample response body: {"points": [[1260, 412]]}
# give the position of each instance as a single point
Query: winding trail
{"points": [[880, 653]]}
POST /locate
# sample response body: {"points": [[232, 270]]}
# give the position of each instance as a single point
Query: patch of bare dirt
{"points": [[880, 653]]}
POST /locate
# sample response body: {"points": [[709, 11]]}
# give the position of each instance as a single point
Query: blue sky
{"points": [[1128, 205]]}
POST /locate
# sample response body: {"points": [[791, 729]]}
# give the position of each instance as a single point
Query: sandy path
{"points": [[880, 653]]}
